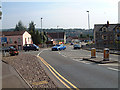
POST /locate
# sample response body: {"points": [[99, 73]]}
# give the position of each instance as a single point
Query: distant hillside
{"points": [[69, 32], [7, 29]]}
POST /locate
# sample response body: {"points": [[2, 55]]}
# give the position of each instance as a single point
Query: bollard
{"points": [[93, 53], [106, 54]]}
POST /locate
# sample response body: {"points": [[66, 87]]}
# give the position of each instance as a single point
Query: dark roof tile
{"points": [[12, 33], [56, 35]]}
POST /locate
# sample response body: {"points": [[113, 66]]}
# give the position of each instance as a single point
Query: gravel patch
{"points": [[31, 70]]}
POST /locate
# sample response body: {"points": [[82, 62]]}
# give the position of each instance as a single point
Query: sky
{"points": [[62, 13]]}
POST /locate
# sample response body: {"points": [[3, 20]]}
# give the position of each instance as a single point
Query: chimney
{"points": [[107, 23]]}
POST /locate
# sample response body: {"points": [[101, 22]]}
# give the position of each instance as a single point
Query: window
{"points": [[19, 40], [104, 29], [117, 30], [10, 40], [105, 37], [111, 37], [104, 43], [28, 39], [25, 40], [118, 37]]}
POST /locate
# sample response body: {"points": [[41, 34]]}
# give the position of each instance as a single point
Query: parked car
{"points": [[76, 46], [13, 51], [58, 47], [6, 49], [28, 47], [72, 44], [9, 49]]}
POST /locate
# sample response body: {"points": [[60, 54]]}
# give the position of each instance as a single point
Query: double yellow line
{"points": [[56, 74]]}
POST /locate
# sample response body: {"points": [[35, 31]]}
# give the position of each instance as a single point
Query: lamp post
{"points": [[42, 31], [88, 22], [58, 34]]}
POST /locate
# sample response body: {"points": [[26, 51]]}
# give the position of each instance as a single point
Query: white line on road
{"points": [[62, 54], [113, 69], [78, 60], [41, 52]]}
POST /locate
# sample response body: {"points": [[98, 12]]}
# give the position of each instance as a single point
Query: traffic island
{"points": [[100, 60], [103, 60]]}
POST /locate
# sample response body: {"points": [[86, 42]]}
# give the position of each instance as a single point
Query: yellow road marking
{"points": [[41, 82], [64, 78], [53, 72], [58, 74]]}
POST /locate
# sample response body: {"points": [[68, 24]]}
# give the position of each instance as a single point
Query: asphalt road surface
{"points": [[82, 75]]}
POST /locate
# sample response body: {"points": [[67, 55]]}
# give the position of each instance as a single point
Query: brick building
{"points": [[15, 38], [57, 37]]}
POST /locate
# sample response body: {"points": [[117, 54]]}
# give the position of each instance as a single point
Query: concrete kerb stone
{"points": [[20, 76], [99, 60], [24, 80]]}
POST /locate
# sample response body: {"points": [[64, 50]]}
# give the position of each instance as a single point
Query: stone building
{"points": [[107, 35]]}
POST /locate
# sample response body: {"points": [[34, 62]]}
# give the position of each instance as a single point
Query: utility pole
{"points": [[88, 22], [43, 33], [58, 34]]}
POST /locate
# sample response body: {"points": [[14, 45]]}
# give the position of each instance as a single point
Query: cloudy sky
{"points": [[62, 13]]}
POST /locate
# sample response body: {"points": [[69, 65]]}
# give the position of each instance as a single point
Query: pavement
{"points": [[11, 79]]}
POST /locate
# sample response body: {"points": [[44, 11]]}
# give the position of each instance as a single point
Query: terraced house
{"points": [[107, 35], [15, 38]]}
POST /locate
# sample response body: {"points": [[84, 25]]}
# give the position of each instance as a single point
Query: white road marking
{"points": [[64, 56], [113, 69], [109, 64], [41, 52], [79, 60]]}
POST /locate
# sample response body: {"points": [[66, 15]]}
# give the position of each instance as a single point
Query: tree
{"points": [[33, 36], [45, 38], [20, 26], [38, 38], [31, 26], [0, 13]]}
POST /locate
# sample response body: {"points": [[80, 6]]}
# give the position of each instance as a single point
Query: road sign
{"points": [[3, 39]]}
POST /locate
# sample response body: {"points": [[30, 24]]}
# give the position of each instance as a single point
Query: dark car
{"points": [[72, 44], [28, 47], [76, 46], [13, 51]]}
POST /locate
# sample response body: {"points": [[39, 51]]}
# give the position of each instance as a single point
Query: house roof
{"points": [[56, 35], [79, 38], [12, 33], [110, 26]]}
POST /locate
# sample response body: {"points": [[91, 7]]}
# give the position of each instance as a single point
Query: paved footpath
{"points": [[11, 79]]}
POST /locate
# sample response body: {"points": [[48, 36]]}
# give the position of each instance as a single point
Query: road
{"points": [[80, 73]]}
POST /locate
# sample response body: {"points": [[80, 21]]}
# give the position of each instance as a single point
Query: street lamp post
{"points": [[42, 31], [88, 22], [58, 34], [41, 23]]}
